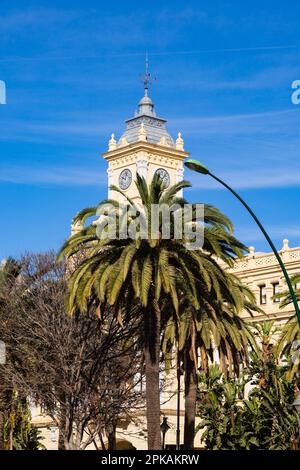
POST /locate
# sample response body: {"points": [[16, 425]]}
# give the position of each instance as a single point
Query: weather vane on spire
{"points": [[147, 77]]}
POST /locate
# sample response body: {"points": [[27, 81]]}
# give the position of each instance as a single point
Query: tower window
{"points": [[276, 290], [262, 295]]}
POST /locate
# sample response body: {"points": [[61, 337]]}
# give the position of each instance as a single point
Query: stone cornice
{"points": [[263, 261], [278, 315], [155, 149]]}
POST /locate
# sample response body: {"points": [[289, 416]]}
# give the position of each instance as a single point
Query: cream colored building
{"points": [[146, 147], [262, 273]]}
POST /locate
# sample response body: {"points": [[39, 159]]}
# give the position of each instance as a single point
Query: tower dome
{"points": [[146, 106], [155, 127]]}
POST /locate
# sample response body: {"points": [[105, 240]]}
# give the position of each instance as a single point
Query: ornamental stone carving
{"points": [[112, 143], [142, 168], [179, 142]]}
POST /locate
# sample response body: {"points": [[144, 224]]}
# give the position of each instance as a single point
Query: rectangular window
{"points": [[276, 290], [262, 295], [297, 285]]}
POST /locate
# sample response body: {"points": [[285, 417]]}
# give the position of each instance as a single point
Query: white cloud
{"points": [[18, 20], [57, 127], [248, 178], [53, 176], [268, 122], [254, 234], [266, 78]]}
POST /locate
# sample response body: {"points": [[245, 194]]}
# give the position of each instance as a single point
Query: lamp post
{"points": [[179, 374], [296, 404], [199, 168], [164, 427]]}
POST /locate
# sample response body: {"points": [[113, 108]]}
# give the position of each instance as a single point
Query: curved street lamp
{"points": [[199, 168]]}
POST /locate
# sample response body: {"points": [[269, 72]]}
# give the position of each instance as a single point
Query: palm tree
{"points": [[290, 333], [215, 329], [148, 271]]}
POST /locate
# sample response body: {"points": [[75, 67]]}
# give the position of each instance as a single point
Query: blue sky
{"points": [[224, 72]]}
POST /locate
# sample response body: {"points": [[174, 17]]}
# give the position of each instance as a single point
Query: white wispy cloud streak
{"points": [[248, 178], [80, 29], [53, 176], [253, 234], [20, 19], [66, 30], [279, 76], [68, 129], [229, 84], [261, 164], [82, 177], [232, 124], [93, 124]]}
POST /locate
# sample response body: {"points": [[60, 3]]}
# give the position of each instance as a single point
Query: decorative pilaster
{"points": [[179, 176], [269, 293], [142, 168], [110, 173]]}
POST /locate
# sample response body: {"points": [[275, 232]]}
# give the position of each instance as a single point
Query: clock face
{"points": [[125, 179], [164, 175]]}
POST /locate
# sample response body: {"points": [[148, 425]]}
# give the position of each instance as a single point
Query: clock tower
{"points": [[145, 148]]}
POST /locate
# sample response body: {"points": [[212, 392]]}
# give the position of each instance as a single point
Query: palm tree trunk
{"points": [[190, 401], [151, 352]]}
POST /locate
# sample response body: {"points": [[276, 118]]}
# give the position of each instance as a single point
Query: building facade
{"points": [[145, 148], [262, 273]]}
